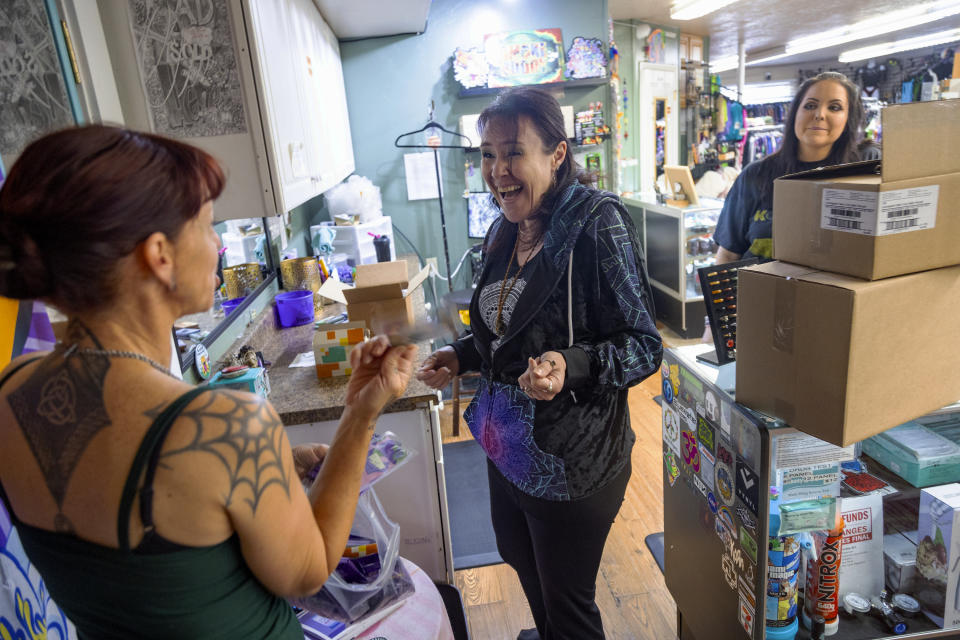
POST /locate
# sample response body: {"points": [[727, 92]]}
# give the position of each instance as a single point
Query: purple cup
{"points": [[294, 308], [229, 305]]}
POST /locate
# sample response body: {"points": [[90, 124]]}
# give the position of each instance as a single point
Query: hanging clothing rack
{"points": [[431, 124]]}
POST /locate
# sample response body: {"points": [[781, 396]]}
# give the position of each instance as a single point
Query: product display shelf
{"points": [[719, 589], [669, 234]]}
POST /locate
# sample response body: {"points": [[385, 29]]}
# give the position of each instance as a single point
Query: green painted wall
{"points": [[390, 83]]}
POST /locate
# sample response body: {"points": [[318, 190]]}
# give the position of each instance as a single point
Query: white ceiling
{"points": [[765, 25], [355, 19]]}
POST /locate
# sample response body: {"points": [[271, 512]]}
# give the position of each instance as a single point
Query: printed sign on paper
{"points": [[810, 482], [862, 545]]}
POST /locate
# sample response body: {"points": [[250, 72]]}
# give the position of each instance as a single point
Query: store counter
{"points": [[415, 494], [719, 460], [676, 241]]}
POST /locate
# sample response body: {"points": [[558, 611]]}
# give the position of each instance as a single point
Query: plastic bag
{"points": [[355, 196], [354, 590], [384, 456]]}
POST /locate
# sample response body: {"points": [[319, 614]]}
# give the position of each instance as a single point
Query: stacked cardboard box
{"points": [[332, 345], [859, 333]]}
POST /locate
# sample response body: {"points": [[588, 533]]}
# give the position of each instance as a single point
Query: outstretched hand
{"points": [[379, 374], [439, 368]]}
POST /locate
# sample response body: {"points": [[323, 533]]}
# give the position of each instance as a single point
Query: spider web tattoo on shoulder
{"points": [[244, 437]]}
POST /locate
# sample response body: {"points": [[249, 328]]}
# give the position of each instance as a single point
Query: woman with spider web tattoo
{"points": [[153, 509]]}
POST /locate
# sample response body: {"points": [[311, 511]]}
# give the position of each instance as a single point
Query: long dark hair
{"points": [[79, 200], [545, 115], [845, 148]]}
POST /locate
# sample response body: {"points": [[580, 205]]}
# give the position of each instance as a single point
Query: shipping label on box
{"points": [[871, 213], [938, 554]]}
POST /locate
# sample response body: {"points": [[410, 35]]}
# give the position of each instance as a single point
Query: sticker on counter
{"points": [[706, 434], [726, 519], [701, 487], [673, 469], [746, 616], [725, 410], [729, 572], [668, 391], [745, 589], [723, 483], [880, 214], [749, 544], [712, 501], [747, 520], [711, 407], [689, 418], [671, 429], [691, 389], [665, 369], [707, 466], [689, 450], [746, 437], [748, 485]]}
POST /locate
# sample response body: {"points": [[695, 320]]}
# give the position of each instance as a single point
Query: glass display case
{"points": [[676, 243]]}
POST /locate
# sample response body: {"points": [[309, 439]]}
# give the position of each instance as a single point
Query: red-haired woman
{"points": [[151, 508]]}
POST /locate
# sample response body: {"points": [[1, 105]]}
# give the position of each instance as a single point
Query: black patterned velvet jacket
{"points": [[590, 302]]}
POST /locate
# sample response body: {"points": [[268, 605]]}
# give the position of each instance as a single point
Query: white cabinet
{"points": [[269, 69], [300, 79]]}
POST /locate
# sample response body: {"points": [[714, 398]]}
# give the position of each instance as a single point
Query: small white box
{"points": [[899, 562], [938, 554]]}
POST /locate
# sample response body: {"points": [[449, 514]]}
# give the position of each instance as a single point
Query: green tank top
{"points": [[205, 593]]}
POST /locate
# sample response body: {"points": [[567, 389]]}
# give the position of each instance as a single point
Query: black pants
{"points": [[555, 548]]}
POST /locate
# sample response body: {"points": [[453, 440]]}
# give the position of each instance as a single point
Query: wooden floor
{"points": [[631, 594]]}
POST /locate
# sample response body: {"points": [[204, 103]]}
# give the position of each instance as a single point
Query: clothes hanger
{"points": [[431, 124]]}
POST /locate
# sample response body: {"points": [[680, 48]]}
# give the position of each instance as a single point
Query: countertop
{"points": [[296, 392]]}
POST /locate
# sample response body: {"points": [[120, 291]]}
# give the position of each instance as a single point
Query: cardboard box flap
{"points": [[918, 139], [781, 269], [372, 294], [867, 167], [378, 273]]}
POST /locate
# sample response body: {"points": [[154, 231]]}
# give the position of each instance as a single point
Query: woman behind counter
{"points": [[151, 508], [822, 128], [563, 281]]}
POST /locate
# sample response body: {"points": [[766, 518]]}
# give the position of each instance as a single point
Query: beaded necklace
{"points": [[500, 329]]}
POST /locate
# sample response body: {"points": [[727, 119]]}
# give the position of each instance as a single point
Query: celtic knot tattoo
{"points": [[60, 408], [244, 437]]}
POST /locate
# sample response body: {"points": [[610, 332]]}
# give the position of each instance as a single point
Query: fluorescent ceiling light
{"points": [[879, 50], [724, 64], [690, 9], [885, 23], [766, 93]]}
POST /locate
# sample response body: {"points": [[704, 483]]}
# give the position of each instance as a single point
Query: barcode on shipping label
{"points": [[879, 214], [849, 211], [904, 210]]}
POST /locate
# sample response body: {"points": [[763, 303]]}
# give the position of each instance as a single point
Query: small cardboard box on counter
{"points": [[380, 296], [332, 345], [254, 380], [848, 219], [938, 565], [843, 358]]}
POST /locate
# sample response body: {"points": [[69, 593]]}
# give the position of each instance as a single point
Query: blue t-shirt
{"points": [[745, 226]]}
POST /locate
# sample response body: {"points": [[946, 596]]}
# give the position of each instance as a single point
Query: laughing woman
{"points": [[563, 281]]}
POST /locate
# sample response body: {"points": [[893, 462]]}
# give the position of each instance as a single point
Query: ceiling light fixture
{"points": [[885, 23], [690, 9], [909, 44]]}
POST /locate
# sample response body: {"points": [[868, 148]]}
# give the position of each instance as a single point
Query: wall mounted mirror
{"points": [[247, 266]]}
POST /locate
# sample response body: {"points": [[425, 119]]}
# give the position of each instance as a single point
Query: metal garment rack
{"points": [[436, 165]]}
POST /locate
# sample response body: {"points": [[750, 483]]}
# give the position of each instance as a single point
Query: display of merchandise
{"points": [[720, 297], [588, 125], [760, 142]]}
